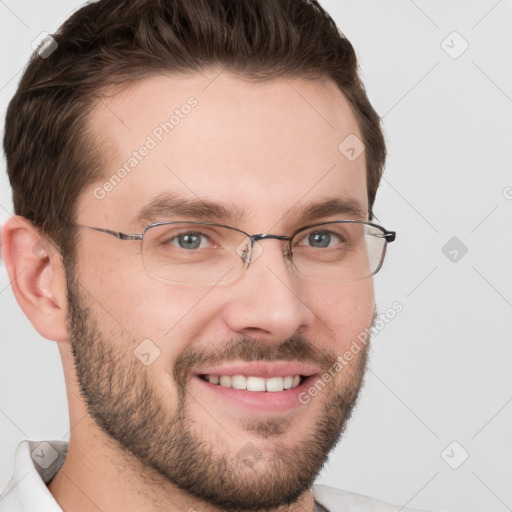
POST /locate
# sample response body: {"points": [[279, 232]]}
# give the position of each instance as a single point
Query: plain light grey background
{"points": [[439, 385]]}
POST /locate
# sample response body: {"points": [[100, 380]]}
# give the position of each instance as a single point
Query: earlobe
{"points": [[37, 277]]}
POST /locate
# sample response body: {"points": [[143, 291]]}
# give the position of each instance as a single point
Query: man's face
{"points": [[264, 152]]}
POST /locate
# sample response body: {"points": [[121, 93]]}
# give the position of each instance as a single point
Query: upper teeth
{"points": [[254, 383]]}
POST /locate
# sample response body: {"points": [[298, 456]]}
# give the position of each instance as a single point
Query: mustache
{"points": [[296, 348]]}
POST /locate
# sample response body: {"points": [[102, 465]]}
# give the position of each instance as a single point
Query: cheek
{"points": [[351, 318], [140, 307], [346, 309]]}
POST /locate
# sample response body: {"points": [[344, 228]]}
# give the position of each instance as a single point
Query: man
{"points": [[193, 184]]}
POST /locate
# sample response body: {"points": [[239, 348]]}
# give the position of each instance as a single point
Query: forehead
{"points": [[264, 148]]}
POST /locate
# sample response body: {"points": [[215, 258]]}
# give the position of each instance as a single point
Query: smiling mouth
{"points": [[253, 383]]}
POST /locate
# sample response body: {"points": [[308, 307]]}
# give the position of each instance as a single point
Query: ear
{"points": [[37, 277]]}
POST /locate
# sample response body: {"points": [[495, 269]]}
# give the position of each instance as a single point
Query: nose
{"points": [[269, 301]]}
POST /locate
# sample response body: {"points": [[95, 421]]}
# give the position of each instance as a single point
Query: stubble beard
{"points": [[122, 401]]}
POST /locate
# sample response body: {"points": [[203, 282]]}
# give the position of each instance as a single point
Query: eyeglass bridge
{"points": [[256, 238]]}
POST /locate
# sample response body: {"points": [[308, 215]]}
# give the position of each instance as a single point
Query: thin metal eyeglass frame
{"points": [[389, 236]]}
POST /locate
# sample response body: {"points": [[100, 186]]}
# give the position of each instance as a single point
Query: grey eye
{"points": [[188, 240], [319, 239]]}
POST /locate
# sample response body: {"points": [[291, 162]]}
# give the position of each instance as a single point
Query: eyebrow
{"points": [[348, 208], [169, 205]]}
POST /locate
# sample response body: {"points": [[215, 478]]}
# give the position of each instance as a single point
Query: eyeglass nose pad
{"points": [[249, 250], [245, 250]]}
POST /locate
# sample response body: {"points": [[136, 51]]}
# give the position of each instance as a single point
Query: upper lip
{"points": [[263, 369]]}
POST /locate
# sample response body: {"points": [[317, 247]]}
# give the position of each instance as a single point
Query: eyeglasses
{"points": [[207, 253]]}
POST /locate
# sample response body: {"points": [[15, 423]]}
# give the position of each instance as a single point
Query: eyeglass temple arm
{"points": [[117, 234]]}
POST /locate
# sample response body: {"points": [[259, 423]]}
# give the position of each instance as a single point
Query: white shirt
{"points": [[37, 462]]}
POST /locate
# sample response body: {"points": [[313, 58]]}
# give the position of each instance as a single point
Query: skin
{"points": [[269, 148]]}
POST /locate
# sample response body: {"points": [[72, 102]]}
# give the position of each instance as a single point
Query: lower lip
{"points": [[259, 401]]}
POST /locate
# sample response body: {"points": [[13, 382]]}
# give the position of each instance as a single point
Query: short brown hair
{"points": [[51, 155]]}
